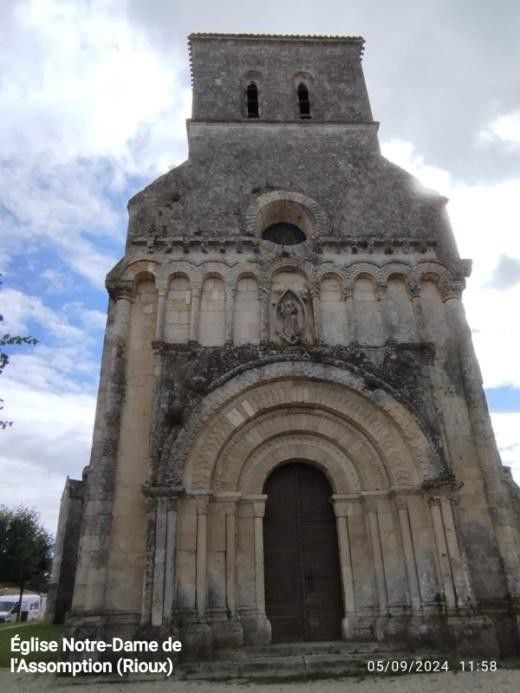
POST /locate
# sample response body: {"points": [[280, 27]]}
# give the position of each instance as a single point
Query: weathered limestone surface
{"points": [[227, 355], [61, 584]]}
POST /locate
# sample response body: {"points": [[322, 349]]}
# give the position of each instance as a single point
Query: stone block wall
{"points": [[64, 562]]}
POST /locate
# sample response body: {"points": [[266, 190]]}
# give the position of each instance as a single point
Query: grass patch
{"points": [[43, 631]]}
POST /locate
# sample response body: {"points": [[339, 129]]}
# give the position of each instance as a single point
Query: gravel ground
{"points": [[502, 681]]}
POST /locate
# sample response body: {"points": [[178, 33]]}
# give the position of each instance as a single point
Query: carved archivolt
{"points": [[345, 453], [313, 217], [386, 427]]}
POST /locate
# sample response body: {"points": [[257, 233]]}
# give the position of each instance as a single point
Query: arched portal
{"points": [[302, 577]]}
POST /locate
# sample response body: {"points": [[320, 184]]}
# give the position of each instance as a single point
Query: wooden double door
{"points": [[302, 574]]}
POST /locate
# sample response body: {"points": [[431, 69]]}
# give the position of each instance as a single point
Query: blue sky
{"points": [[94, 100]]}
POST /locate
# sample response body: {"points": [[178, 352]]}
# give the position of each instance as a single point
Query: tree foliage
{"points": [[25, 549], [9, 340]]}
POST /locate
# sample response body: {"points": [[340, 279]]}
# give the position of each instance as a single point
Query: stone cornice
{"points": [[346, 244]]}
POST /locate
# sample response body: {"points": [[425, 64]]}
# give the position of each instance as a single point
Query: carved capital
{"points": [[401, 502], [452, 290], [348, 292], [202, 503], [120, 290], [414, 288], [381, 288], [371, 504], [433, 500], [258, 503], [315, 289], [152, 491]]}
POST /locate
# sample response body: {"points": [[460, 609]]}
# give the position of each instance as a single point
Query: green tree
{"points": [[9, 340], [25, 550]]}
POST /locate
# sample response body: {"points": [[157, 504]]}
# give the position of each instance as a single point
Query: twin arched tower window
{"points": [[302, 91]]}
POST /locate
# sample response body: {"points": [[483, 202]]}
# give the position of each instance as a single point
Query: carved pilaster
{"points": [[161, 306], [351, 315], [159, 586], [263, 295], [401, 503], [341, 510], [377, 554], [195, 313], [434, 503], [230, 303], [316, 309], [202, 556]]}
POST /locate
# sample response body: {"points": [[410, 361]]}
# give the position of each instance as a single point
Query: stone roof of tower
{"points": [[319, 38], [279, 37]]}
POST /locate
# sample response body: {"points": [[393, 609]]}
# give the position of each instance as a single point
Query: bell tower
{"points": [[291, 440]]}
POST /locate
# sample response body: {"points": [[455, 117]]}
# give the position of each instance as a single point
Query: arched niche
{"points": [[178, 310], [434, 310], [290, 307], [334, 328], [143, 315], [212, 319], [369, 327], [246, 317], [400, 319]]}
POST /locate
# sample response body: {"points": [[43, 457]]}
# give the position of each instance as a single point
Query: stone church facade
{"points": [[291, 441]]}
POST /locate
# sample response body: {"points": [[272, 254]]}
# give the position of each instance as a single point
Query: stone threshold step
{"points": [[324, 664], [306, 648]]}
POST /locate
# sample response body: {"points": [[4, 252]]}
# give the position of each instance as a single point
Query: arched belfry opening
{"points": [[252, 100], [303, 101], [302, 576]]}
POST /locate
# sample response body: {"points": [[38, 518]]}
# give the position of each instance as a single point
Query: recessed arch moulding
{"points": [[377, 459], [377, 439], [289, 207]]}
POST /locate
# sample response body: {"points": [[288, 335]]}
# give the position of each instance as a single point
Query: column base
{"points": [[355, 628], [474, 636], [463, 635], [257, 629], [197, 641], [227, 633]]}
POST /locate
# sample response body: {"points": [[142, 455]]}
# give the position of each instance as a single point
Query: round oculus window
{"points": [[283, 234]]}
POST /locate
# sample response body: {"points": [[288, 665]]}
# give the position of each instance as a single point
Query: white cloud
{"points": [[49, 394], [506, 428], [403, 154], [63, 361], [505, 128], [23, 308], [87, 101], [84, 81], [50, 439]]}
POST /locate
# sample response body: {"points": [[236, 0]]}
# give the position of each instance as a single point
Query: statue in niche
{"points": [[290, 318]]}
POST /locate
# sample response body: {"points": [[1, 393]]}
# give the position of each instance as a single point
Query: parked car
{"points": [[10, 605]]}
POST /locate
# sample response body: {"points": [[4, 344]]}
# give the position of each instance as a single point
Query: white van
{"points": [[31, 604]]}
